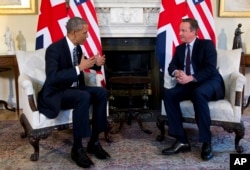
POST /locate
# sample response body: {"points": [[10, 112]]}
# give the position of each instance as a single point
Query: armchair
{"points": [[36, 125], [226, 112]]}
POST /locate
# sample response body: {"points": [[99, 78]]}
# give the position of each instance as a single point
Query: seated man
{"points": [[194, 67], [64, 89]]}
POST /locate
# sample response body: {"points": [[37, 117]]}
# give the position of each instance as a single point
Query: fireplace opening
{"points": [[132, 57], [127, 63]]}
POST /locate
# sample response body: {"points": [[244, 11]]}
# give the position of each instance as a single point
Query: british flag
{"points": [[53, 17], [51, 22], [171, 14]]}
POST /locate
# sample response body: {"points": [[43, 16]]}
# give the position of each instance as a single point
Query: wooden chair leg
{"points": [[239, 134], [107, 135], [160, 123]]}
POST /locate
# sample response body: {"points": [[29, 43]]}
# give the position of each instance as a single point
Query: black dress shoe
{"points": [[81, 158], [206, 151], [176, 148], [97, 150]]}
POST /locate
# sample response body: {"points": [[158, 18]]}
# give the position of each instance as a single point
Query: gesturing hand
{"points": [[86, 63], [100, 60]]}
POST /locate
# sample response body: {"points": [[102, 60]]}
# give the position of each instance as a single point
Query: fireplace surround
{"points": [[128, 29]]}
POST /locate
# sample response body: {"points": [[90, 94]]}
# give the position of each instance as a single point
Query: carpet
{"points": [[131, 150]]}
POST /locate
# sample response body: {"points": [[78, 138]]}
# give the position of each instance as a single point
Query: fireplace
{"points": [[132, 57]]}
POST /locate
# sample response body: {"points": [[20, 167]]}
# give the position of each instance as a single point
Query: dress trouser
{"points": [[200, 94], [80, 100]]}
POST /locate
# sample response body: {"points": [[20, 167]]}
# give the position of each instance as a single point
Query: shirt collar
{"points": [[70, 44], [192, 43]]}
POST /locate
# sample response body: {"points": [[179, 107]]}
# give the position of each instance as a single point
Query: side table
{"points": [[9, 61]]}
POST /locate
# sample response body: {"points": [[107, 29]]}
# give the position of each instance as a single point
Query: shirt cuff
{"points": [[194, 79], [77, 70], [173, 73]]}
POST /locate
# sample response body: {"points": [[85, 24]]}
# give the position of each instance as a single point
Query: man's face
{"points": [[82, 34], [186, 35]]}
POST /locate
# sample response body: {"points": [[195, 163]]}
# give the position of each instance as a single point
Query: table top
{"points": [[7, 55], [8, 60], [129, 80]]}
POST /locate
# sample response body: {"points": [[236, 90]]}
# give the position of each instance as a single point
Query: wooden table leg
{"points": [[16, 74], [6, 106]]}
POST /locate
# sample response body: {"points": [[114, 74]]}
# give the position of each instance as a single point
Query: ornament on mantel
{"points": [[21, 42], [9, 41], [237, 43]]}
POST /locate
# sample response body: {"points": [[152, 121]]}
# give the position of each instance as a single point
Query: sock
{"points": [[93, 139], [183, 140], [77, 143]]}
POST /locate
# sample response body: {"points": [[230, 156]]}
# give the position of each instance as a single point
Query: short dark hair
{"points": [[194, 26], [75, 24]]}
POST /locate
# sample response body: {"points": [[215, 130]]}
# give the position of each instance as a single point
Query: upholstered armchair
{"points": [[226, 112], [36, 125]]}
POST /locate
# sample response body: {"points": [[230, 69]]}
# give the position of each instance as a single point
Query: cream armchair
{"points": [[226, 112], [36, 125]]}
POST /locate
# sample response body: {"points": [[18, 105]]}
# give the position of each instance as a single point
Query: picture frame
{"points": [[18, 7], [234, 8]]}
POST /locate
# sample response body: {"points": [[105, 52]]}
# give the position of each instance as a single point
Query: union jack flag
{"points": [[171, 14], [53, 17], [51, 22]]}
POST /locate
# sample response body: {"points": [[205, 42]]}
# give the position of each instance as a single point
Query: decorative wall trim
{"points": [[127, 18]]}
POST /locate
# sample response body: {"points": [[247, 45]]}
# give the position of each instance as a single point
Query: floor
{"points": [[9, 115]]}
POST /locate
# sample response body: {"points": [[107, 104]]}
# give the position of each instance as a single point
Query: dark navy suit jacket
{"points": [[60, 75], [204, 62]]}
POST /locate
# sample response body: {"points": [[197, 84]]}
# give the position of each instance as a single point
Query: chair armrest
{"points": [[25, 83], [29, 90], [237, 82], [169, 82]]}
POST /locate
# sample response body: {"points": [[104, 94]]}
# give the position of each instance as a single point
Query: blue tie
{"points": [[75, 63], [75, 58]]}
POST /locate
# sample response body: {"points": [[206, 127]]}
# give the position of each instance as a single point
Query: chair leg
{"points": [[239, 134], [25, 133], [34, 138], [139, 121], [34, 141], [110, 125], [160, 123], [239, 130]]}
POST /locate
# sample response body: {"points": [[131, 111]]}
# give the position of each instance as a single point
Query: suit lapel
{"points": [[79, 53], [182, 59], [66, 52], [193, 56]]}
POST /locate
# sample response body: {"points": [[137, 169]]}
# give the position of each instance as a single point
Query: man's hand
{"points": [[182, 78], [86, 63], [100, 60]]}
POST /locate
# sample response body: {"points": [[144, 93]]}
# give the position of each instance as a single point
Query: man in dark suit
{"points": [[64, 88], [198, 80]]}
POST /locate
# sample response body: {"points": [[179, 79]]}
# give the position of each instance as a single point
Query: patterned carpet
{"points": [[131, 150]]}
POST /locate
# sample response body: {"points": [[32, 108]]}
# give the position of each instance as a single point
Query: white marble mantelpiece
{"points": [[127, 18]]}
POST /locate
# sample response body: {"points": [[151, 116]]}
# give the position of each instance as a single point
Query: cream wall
{"points": [[28, 23]]}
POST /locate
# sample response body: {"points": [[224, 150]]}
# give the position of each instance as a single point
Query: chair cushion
{"points": [[220, 110], [38, 120]]}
